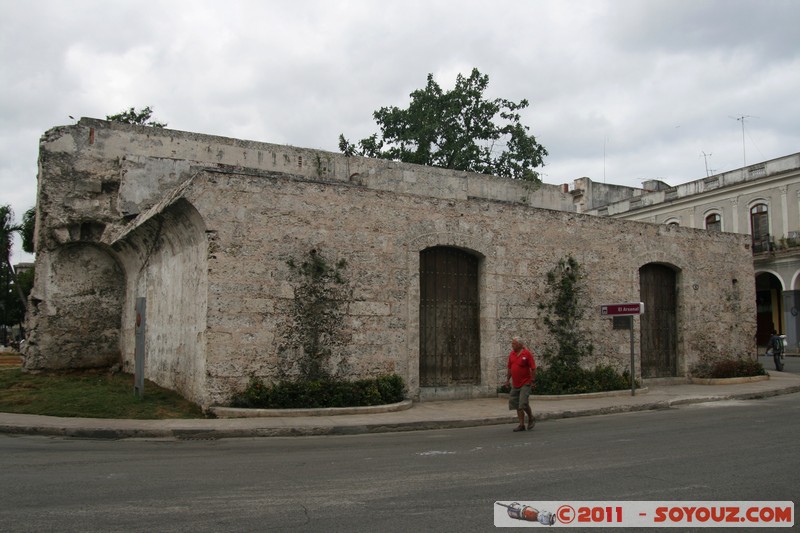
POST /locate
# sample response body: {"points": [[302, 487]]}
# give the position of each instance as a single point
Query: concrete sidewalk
{"points": [[407, 417]]}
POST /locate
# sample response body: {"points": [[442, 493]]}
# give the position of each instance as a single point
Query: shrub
{"points": [[727, 368], [562, 379], [320, 393]]}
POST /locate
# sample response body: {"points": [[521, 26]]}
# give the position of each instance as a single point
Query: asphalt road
{"points": [[429, 480]]}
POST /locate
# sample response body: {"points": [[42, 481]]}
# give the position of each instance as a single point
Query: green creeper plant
{"points": [[320, 294], [563, 311]]}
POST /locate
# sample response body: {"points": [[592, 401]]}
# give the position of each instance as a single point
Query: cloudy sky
{"points": [[619, 90]]}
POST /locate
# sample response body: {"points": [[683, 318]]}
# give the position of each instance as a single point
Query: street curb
{"points": [[88, 433], [239, 412], [727, 381], [108, 433]]}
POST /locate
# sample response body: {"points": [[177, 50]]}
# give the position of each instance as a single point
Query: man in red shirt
{"points": [[522, 375]]}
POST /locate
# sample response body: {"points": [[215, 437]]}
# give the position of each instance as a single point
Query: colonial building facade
{"points": [[760, 200], [186, 240]]}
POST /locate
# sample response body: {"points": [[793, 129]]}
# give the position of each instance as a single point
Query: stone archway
{"points": [[166, 257]]}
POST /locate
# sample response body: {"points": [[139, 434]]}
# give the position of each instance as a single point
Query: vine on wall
{"points": [[564, 311], [570, 346], [312, 367], [314, 331]]}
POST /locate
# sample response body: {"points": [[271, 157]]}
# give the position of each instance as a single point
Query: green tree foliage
{"points": [[16, 287], [28, 227], [7, 230], [457, 129], [140, 118], [12, 297]]}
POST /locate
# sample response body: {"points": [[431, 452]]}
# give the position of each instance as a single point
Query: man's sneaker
{"points": [[531, 423]]}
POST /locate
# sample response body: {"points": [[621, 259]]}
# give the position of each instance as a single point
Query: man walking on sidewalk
{"points": [[522, 375]]}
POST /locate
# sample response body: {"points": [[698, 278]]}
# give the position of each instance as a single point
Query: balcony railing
{"points": [[763, 244]]}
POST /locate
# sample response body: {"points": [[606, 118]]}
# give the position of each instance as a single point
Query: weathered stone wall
{"points": [[75, 313], [207, 236]]}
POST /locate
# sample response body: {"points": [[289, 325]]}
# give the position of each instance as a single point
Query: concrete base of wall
{"points": [[666, 381], [727, 381], [459, 392], [237, 412]]}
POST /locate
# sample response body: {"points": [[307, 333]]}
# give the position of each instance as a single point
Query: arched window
{"points": [[759, 227], [672, 223], [714, 222]]}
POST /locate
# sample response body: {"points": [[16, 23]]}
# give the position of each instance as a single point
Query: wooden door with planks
{"points": [[449, 317], [659, 322]]}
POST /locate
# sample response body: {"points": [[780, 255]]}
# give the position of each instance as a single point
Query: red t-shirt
{"points": [[521, 365]]}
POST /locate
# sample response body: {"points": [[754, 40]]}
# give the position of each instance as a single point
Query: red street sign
{"points": [[622, 309]]}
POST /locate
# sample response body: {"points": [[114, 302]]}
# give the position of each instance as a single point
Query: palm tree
{"points": [[7, 230]]}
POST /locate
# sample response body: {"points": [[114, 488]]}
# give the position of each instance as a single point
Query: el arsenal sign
{"points": [[622, 309]]}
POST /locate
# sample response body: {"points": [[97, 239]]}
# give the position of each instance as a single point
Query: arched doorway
{"points": [[449, 318], [659, 345], [769, 311]]}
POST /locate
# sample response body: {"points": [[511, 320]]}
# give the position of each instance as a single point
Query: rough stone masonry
{"points": [[203, 227]]}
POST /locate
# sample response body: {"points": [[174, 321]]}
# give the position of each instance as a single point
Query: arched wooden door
{"points": [[449, 351], [659, 346]]}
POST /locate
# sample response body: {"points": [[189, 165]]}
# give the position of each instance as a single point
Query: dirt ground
{"points": [[10, 360]]}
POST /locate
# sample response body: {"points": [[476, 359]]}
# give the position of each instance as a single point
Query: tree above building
{"points": [[140, 118], [458, 129]]}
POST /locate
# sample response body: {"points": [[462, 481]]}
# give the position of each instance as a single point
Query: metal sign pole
{"points": [[630, 310], [633, 362]]}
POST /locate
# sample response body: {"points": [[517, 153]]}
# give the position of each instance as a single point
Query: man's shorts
{"points": [[518, 398]]}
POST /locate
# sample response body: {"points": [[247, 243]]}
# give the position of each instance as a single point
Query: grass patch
{"points": [[89, 394]]}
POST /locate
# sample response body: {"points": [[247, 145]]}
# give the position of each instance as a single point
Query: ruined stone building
{"points": [[760, 200], [203, 228]]}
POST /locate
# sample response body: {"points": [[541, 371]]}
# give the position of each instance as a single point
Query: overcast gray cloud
{"points": [[620, 91]]}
